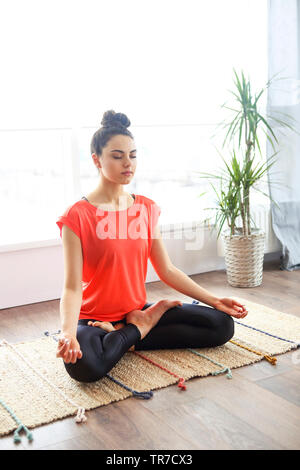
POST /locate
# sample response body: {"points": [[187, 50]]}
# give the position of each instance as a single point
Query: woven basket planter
{"points": [[244, 257]]}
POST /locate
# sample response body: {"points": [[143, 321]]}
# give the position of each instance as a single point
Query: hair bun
{"points": [[113, 119]]}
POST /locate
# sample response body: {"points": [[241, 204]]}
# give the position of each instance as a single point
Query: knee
{"points": [[84, 370], [225, 330], [90, 367]]}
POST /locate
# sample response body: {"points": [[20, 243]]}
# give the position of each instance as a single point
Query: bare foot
{"points": [[118, 326], [107, 326], [146, 319]]}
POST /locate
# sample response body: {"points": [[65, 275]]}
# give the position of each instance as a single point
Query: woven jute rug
{"points": [[36, 388]]}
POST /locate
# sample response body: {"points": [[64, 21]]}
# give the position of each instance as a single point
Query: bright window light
{"points": [[168, 65]]}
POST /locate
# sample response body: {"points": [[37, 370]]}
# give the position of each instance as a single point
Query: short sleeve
{"points": [[70, 218]]}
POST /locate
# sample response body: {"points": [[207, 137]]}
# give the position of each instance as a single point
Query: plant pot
{"points": [[244, 257]]}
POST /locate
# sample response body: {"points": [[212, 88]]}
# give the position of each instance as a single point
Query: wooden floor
{"points": [[258, 409]]}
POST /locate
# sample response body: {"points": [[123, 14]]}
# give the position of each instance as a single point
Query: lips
{"points": [[127, 173]]}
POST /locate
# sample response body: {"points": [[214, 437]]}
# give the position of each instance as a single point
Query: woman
{"points": [[108, 238]]}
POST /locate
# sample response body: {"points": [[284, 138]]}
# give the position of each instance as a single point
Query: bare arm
{"points": [[72, 291], [71, 299], [184, 284], [172, 276], [70, 304], [181, 282]]}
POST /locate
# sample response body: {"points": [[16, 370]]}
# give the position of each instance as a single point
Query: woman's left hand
{"points": [[231, 306]]}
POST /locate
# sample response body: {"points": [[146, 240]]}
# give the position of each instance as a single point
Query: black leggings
{"points": [[186, 326]]}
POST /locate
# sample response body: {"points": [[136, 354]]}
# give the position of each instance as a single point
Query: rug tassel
{"points": [[17, 437], [80, 417], [270, 359], [181, 379], [226, 369], [46, 333], [21, 426], [181, 383], [145, 395]]}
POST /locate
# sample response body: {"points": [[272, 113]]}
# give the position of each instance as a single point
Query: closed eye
{"points": [[118, 158]]}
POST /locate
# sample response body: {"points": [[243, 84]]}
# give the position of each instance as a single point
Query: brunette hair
{"points": [[112, 124]]}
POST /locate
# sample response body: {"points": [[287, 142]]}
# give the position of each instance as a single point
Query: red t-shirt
{"points": [[116, 246]]}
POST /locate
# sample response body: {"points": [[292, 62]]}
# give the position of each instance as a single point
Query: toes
{"points": [[107, 326], [176, 302]]}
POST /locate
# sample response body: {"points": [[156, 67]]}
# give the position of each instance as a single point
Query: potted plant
{"points": [[244, 244]]}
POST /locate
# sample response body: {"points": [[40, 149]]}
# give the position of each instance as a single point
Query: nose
{"points": [[128, 163]]}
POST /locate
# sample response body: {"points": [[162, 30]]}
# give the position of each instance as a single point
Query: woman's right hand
{"points": [[68, 348]]}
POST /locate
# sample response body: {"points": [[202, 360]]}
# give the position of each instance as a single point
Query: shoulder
{"points": [[73, 214], [74, 208], [146, 200]]}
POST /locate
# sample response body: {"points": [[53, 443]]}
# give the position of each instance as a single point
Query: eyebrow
{"points": [[121, 151]]}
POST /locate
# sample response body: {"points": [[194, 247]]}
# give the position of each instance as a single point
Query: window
{"points": [[168, 67]]}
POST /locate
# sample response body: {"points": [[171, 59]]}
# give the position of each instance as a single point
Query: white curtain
{"points": [[284, 97]]}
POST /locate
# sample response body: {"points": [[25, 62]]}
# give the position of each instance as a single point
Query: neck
{"points": [[110, 193]]}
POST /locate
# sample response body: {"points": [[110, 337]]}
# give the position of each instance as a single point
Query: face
{"points": [[117, 157]]}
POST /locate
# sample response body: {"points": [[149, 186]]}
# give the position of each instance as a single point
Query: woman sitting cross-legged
{"points": [[108, 238]]}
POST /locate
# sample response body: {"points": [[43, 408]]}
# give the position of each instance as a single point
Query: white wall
{"points": [[32, 273]]}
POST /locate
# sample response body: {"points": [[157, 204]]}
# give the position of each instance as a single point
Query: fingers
{"points": [[237, 303], [237, 306], [72, 356], [236, 314], [241, 310], [62, 348], [235, 311], [67, 354]]}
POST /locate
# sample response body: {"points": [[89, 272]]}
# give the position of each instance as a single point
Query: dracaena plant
{"points": [[235, 179], [243, 173]]}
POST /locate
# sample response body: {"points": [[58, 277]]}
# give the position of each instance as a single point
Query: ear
{"points": [[96, 160]]}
